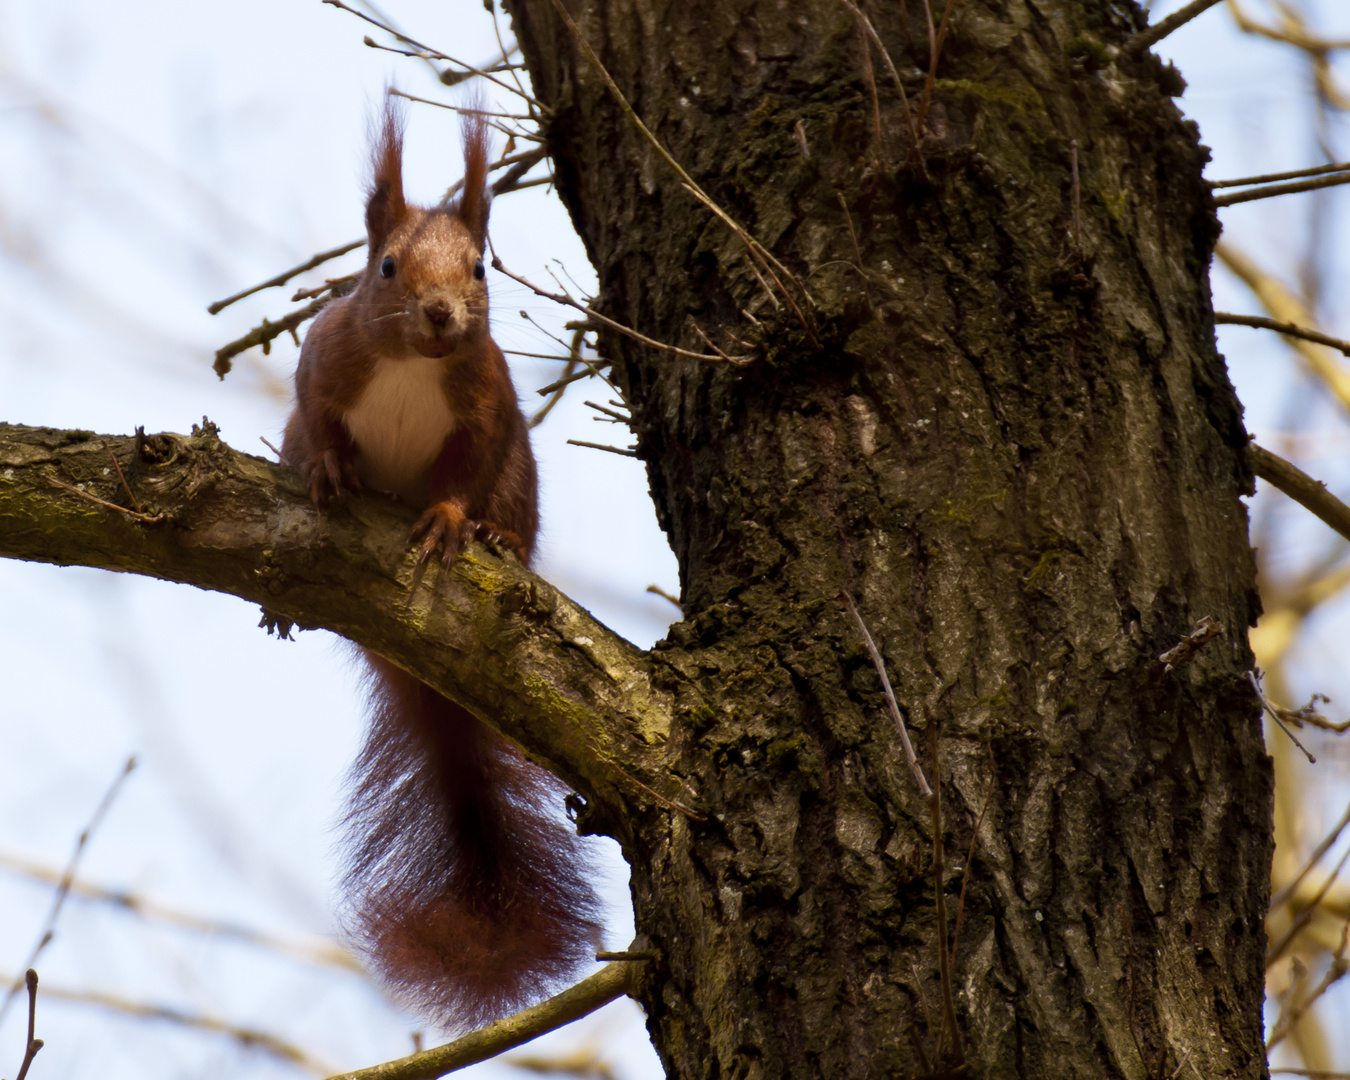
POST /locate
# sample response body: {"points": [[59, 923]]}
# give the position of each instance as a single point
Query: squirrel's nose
{"points": [[438, 313]]}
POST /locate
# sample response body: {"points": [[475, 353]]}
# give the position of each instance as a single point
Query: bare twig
{"points": [[910, 756], [135, 504], [1282, 303], [610, 982], [1321, 849], [248, 1037], [286, 275], [1272, 190], [1260, 322], [679, 808], [265, 334], [601, 446], [1146, 39], [1274, 715], [592, 370], [1181, 653], [1290, 1017], [866, 25], [1299, 486], [656, 590], [857, 251], [316, 951], [465, 110], [935, 42], [63, 889], [564, 298], [264, 440], [338, 286], [970, 857], [436, 53], [609, 414], [1305, 916], [1272, 178], [34, 1044], [150, 519]]}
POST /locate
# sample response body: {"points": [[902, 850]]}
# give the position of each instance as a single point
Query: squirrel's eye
{"points": [[478, 270], [387, 267]]}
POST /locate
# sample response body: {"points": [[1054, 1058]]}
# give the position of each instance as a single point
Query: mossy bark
{"points": [[1002, 425]]}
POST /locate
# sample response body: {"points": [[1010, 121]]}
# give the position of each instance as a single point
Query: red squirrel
{"points": [[467, 894]]}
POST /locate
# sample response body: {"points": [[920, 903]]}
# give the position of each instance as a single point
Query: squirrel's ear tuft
{"points": [[474, 200], [385, 207]]}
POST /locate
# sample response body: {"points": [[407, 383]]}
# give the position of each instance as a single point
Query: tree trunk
{"points": [[993, 412]]}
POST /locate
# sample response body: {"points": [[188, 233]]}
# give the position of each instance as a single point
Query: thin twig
{"points": [[679, 808], [1271, 178], [265, 334], [1272, 190], [135, 504], [609, 414], [910, 756], [63, 889], [871, 31], [1306, 915], [150, 519], [1334, 974], [564, 298], [756, 249], [317, 951], [1281, 302], [935, 51], [249, 1037], [656, 590], [34, 1044], [1303, 489], [592, 371], [264, 440], [1256, 686], [857, 251], [970, 856], [286, 275], [1146, 39], [464, 110], [610, 982], [1321, 849], [434, 53], [1260, 322], [1207, 628], [601, 446]]}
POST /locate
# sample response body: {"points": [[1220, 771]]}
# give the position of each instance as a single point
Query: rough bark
{"points": [[1004, 427]]}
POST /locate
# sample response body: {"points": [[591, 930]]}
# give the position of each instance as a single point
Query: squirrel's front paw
{"points": [[445, 525], [327, 474]]}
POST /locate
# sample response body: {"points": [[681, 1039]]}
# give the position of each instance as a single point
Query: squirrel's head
{"points": [[425, 274]]}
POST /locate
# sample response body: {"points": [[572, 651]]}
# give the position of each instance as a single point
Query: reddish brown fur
{"points": [[469, 896]]}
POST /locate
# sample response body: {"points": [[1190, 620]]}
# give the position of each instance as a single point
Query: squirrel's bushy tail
{"points": [[467, 894]]}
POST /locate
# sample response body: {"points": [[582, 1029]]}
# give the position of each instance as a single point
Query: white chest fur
{"points": [[400, 422]]}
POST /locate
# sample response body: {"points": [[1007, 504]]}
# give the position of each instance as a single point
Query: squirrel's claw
{"points": [[445, 525], [328, 474]]}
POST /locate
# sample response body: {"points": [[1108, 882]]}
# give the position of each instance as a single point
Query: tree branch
{"points": [[488, 632], [610, 982]]}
